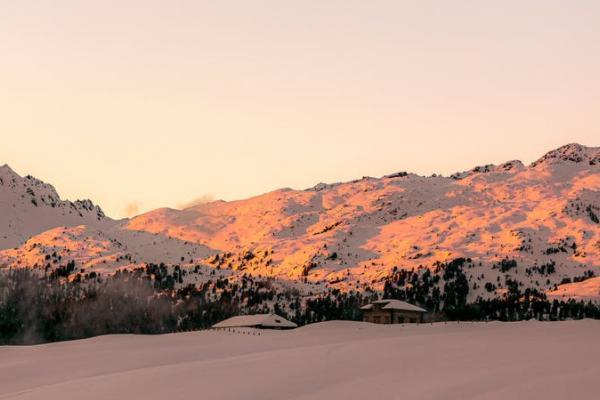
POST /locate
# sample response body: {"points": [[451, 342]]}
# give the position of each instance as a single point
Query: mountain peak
{"points": [[509, 166], [30, 206], [7, 170], [572, 152]]}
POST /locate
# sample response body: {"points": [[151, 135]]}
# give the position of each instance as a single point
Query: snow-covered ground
{"points": [[334, 360]]}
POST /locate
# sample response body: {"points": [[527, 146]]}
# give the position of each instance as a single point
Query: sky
{"points": [[144, 104]]}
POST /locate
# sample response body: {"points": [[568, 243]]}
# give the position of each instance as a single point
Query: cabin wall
{"points": [[380, 316], [377, 316], [406, 317]]}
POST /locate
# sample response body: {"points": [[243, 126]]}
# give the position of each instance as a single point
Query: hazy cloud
{"points": [[207, 198], [132, 209]]}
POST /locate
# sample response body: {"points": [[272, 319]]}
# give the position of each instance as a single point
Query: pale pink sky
{"points": [[141, 104]]}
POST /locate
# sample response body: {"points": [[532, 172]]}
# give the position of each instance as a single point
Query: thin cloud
{"points": [[207, 198], [132, 209]]}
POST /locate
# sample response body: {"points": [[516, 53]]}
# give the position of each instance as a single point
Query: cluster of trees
{"points": [[529, 307], [545, 269], [592, 214], [37, 307], [446, 289], [333, 305]]}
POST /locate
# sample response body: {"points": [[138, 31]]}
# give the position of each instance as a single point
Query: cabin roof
{"points": [[256, 320], [392, 304]]}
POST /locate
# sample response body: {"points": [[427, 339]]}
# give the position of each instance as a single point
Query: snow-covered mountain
{"points": [[359, 231], [37, 228], [544, 216], [29, 206]]}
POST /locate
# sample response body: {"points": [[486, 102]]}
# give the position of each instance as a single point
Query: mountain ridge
{"points": [[31, 206], [352, 235]]}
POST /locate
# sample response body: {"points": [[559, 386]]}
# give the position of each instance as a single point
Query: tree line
{"points": [[39, 306]]}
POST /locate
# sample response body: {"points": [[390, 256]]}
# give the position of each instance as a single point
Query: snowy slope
{"points": [[29, 206], [37, 228], [101, 250], [522, 360]]}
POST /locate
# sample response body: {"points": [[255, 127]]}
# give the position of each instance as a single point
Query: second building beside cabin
{"points": [[259, 321], [392, 312]]}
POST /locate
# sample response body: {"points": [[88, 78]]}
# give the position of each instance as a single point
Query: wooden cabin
{"points": [[389, 311]]}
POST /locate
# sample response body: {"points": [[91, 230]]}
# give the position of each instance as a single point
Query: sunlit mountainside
{"points": [[539, 223]]}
